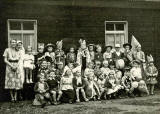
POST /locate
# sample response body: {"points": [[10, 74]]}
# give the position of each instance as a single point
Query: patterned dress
{"points": [[12, 77]]}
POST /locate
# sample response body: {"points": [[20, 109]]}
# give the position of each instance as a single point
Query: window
{"points": [[24, 30], [116, 32]]}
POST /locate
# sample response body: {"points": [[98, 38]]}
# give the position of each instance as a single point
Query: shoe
{"points": [[27, 81], [43, 105], [77, 101], [70, 101], [30, 81], [86, 100]]}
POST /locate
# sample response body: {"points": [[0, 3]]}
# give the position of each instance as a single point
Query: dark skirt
{"points": [[68, 95]]}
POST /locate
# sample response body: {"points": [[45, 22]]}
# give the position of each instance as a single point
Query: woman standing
{"points": [[21, 51], [12, 79]]}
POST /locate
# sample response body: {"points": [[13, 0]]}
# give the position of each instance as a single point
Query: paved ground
{"points": [[139, 105]]}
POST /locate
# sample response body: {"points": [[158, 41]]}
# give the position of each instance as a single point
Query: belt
{"points": [[13, 61]]}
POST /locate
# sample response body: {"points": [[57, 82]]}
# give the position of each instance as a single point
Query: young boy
{"points": [[79, 84], [41, 88], [54, 88], [152, 73]]}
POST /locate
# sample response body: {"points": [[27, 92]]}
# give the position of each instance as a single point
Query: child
{"points": [[51, 67], [54, 88], [60, 55], [66, 86], [117, 54], [112, 88], [69, 66], [98, 54], [41, 88], [105, 70], [59, 70], [91, 51], [88, 70], [136, 75], [92, 89], [49, 54], [102, 88], [79, 84], [38, 58], [71, 56], [152, 73], [127, 82], [29, 64], [107, 55], [97, 69], [44, 69], [83, 56]]}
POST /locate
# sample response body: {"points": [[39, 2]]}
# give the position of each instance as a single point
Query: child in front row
{"points": [[152, 73], [66, 86], [42, 91], [54, 88], [79, 84]]}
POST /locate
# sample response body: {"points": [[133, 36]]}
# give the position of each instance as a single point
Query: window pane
{"points": [[29, 40], [120, 39], [16, 37], [120, 27], [28, 25], [15, 25], [110, 27], [110, 39]]}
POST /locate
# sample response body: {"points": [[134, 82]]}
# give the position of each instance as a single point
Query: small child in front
{"points": [[79, 84], [41, 89]]}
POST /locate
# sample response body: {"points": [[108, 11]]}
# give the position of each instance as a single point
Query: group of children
{"points": [[90, 75]]}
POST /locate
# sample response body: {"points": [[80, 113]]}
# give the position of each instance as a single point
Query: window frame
{"points": [[22, 32], [125, 31]]}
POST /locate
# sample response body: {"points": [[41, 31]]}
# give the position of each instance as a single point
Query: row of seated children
{"points": [[69, 84]]}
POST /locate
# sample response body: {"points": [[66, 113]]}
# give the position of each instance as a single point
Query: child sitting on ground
{"points": [[54, 88], [92, 90], [102, 86], [79, 84], [66, 86], [127, 82], [41, 89]]}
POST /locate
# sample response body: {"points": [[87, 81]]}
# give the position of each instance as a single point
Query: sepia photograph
{"points": [[79, 56]]}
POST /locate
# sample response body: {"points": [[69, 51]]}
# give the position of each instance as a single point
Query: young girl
{"points": [[42, 95], [107, 55], [91, 51], [49, 54], [98, 54], [88, 70], [71, 56], [66, 86], [105, 70], [79, 84], [54, 88], [29, 64], [152, 73]]}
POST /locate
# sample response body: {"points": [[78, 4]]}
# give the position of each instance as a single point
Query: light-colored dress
{"points": [[29, 61], [20, 66], [12, 77]]}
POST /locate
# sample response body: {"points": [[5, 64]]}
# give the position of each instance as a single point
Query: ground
{"points": [[138, 105]]}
